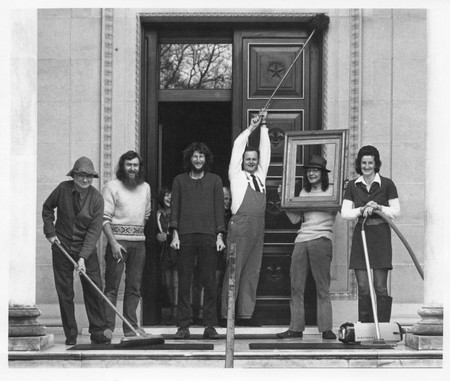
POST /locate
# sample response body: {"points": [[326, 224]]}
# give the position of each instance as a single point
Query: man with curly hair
{"points": [[127, 208], [197, 223]]}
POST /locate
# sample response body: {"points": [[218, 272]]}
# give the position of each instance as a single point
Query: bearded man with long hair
{"points": [[127, 208]]}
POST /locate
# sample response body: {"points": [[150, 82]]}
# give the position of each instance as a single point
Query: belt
{"points": [[372, 221]]}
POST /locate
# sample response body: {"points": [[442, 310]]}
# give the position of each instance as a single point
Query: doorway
{"points": [[181, 123], [177, 111]]}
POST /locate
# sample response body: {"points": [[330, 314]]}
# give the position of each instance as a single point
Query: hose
{"points": [[403, 239]]}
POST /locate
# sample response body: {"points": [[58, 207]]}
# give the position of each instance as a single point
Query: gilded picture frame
{"points": [[299, 147]]}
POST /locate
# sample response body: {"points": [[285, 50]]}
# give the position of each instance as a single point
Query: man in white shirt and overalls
{"points": [[247, 174]]}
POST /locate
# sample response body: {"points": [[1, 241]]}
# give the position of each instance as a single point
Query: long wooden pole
{"points": [[229, 353]]}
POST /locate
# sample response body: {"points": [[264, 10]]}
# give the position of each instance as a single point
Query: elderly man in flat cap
{"points": [[77, 228]]}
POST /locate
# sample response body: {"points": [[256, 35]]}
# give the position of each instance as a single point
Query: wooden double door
{"points": [[175, 115]]}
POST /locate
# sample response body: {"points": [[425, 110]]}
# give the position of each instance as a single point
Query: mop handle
{"points": [[288, 70], [369, 276], [403, 239], [229, 355], [60, 247], [318, 22]]}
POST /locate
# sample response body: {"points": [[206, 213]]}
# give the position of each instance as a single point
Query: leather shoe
{"points": [[182, 333], [289, 334], [71, 341], [328, 335], [252, 322], [210, 333], [102, 338]]}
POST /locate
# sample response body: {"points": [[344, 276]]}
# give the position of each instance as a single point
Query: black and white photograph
{"points": [[174, 171]]}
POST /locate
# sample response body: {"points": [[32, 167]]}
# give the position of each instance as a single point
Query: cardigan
{"points": [[77, 232]]}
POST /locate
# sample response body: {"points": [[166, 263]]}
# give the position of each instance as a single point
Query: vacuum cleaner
{"points": [[374, 334]]}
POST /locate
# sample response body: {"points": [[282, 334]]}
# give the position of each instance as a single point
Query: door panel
{"points": [[265, 58]]}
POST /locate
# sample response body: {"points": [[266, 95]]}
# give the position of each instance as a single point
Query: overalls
{"points": [[246, 230]]}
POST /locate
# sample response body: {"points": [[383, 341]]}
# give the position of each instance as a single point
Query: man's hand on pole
{"points": [[53, 239], [257, 120], [81, 266]]}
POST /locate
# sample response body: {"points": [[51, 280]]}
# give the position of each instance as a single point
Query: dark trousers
{"points": [[207, 262], [63, 272], [133, 263]]}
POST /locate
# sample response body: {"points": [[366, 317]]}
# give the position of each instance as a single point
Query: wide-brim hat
{"points": [[85, 165], [316, 161]]}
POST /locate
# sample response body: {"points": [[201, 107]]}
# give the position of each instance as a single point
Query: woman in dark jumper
{"points": [[363, 195]]}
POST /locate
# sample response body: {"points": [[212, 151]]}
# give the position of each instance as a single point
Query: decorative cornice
{"points": [[238, 14], [137, 124], [106, 94], [354, 110], [325, 80], [355, 87]]}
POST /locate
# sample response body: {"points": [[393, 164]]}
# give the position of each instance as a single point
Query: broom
{"points": [[132, 341]]}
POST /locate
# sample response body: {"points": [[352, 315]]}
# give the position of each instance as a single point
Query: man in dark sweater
{"points": [[197, 221], [78, 227]]}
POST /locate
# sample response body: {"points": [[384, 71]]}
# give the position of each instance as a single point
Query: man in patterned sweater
{"points": [[127, 207]]}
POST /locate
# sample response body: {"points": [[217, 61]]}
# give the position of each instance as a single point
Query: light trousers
{"points": [[315, 254]]}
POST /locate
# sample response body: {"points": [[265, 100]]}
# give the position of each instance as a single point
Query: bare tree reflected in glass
{"points": [[195, 66]]}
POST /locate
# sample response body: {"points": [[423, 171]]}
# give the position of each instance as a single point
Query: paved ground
{"points": [[58, 355]]}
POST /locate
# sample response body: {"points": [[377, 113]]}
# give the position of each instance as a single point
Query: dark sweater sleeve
{"points": [[219, 209], [95, 227], [48, 212]]}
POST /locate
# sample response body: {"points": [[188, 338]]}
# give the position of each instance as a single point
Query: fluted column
{"points": [[25, 332], [428, 332]]}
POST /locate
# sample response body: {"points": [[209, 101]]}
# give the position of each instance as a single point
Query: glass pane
{"points": [[195, 66]]}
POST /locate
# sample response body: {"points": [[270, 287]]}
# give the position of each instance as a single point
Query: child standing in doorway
{"points": [[168, 254]]}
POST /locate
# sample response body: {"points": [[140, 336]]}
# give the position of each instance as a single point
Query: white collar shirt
{"points": [[377, 179], [240, 179]]}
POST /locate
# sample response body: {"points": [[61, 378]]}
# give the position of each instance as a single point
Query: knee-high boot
{"points": [[384, 308], [365, 314]]}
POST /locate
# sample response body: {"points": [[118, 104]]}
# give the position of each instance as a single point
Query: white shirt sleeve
{"points": [[236, 154], [265, 152], [393, 210], [348, 210]]}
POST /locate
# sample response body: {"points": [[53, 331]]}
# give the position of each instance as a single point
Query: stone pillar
{"points": [[25, 332], [428, 333]]}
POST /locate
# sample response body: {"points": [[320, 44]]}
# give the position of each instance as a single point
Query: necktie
{"points": [[255, 183]]}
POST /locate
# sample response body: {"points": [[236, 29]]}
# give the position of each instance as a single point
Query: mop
{"points": [[132, 341]]}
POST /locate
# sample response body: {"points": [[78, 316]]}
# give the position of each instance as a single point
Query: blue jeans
{"points": [[316, 254], [133, 262]]}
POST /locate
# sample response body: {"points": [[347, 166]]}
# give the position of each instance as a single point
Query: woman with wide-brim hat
{"points": [[363, 195], [313, 249]]}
